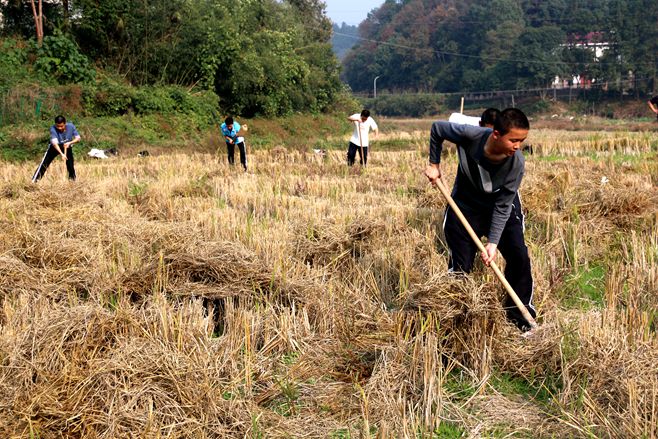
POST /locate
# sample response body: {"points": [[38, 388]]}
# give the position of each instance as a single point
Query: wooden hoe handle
{"points": [[476, 240], [358, 130]]}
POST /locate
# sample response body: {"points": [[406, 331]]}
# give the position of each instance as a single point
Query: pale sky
{"points": [[350, 11]]}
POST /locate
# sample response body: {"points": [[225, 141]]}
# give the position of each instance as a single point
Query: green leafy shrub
{"points": [[204, 105], [108, 98], [168, 100], [538, 107], [60, 58], [148, 100], [111, 98], [13, 57]]}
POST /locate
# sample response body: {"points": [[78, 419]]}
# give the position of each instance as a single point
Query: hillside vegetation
{"points": [[440, 46], [343, 38], [268, 57]]}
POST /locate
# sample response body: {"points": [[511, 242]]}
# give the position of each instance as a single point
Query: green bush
{"points": [[168, 100], [20, 143], [204, 105], [13, 57], [60, 58], [148, 100], [539, 107], [108, 98]]}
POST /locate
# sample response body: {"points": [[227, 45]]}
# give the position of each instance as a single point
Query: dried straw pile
{"points": [[88, 372], [465, 313], [327, 243], [215, 270], [453, 298]]}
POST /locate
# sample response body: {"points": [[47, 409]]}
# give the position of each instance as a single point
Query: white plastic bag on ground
{"points": [[97, 153]]}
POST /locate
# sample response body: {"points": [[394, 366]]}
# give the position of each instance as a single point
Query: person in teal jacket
{"points": [[230, 130]]}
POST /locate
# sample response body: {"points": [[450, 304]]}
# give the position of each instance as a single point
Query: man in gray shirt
{"points": [[490, 170]]}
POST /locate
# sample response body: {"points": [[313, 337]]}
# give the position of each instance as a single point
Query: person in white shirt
{"points": [[359, 141]]}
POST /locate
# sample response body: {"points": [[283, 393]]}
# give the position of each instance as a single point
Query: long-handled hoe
{"points": [[476, 239], [358, 130]]}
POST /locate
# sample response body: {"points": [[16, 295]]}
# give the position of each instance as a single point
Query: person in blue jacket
{"points": [[230, 130], [62, 137]]}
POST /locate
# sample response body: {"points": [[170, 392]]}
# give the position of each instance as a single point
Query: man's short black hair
{"points": [[365, 113], [489, 116], [228, 121], [511, 118], [60, 119]]}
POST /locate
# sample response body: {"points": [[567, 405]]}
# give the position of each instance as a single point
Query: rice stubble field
{"points": [[175, 296]]}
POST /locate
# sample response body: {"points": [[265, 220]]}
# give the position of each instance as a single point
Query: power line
{"points": [[485, 58]]}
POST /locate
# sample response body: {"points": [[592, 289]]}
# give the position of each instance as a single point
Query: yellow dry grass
{"points": [[174, 296]]}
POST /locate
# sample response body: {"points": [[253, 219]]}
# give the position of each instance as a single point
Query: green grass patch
{"points": [[540, 389], [549, 158], [290, 358], [342, 433], [459, 386], [448, 430], [11, 154], [626, 159], [287, 403], [584, 288]]}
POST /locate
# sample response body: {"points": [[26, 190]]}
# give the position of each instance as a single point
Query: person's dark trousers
{"points": [[48, 157], [352, 149], [230, 149], [512, 246]]}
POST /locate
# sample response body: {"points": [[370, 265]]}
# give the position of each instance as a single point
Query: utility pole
{"points": [[374, 87]]}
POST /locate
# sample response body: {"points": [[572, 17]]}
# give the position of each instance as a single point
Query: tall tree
{"points": [[38, 20]]}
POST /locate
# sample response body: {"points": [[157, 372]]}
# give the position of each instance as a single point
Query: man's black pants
{"points": [[230, 149], [351, 154], [48, 157], [512, 246]]}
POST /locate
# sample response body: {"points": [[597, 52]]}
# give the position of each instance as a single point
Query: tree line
{"points": [[477, 45], [264, 57]]}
